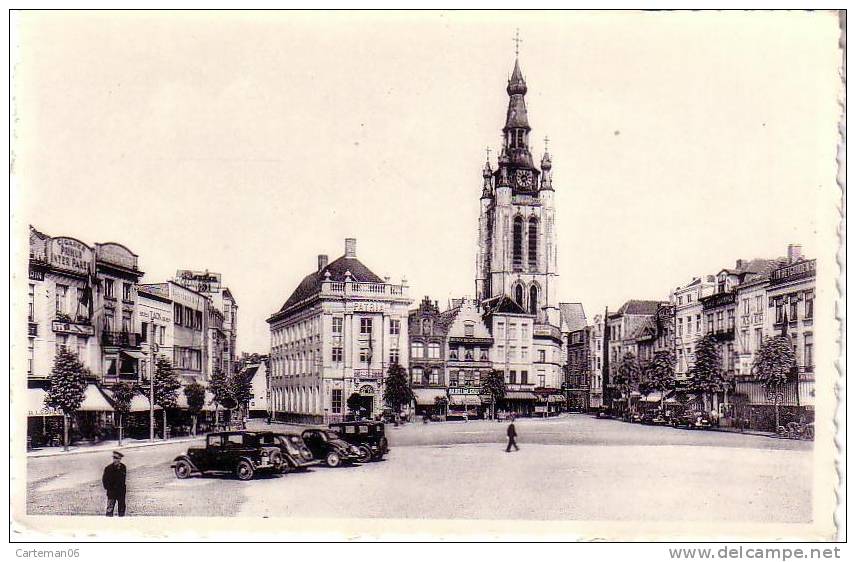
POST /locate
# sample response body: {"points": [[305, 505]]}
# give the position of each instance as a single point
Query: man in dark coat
{"points": [[512, 436], [113, 480]]}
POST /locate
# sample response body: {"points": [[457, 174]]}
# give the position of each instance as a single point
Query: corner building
{"points": [[336, 335], [517, 240]]}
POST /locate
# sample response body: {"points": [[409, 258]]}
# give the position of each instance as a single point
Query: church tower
{"points": [[517, 236]]}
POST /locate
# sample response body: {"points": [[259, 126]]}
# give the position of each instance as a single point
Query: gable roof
{"points": [[311, 284], [639, 307], [573, 315], [503, 304]]}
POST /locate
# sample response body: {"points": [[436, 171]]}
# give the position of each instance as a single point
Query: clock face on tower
{"points": [[524, 179]]}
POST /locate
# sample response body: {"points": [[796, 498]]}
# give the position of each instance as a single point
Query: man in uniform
{"points": [[113, 480], [512, 436]]}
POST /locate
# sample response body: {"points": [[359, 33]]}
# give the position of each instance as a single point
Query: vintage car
{"points": [[295, 452], [329, 448], [368, 436], [692, 420], [653, 417], [238, 452]]}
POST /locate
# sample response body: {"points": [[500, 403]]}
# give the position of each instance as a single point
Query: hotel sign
{"points": [[199, 281], [793, 272], [458, 390], [71, 255]]}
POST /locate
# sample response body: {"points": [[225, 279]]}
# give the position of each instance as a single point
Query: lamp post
{"points": [[153, 348]]}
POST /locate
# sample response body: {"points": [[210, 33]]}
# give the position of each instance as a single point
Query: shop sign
{"points": [[37, 275], [116, 254], [799, 270], [199, 281], [71, 328], [369, 307], [465, 390], [69, 254]]}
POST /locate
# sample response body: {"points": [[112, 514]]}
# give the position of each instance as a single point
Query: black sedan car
{"points": [[329, 448], [368, 436], [295, 453], [239, 452]]}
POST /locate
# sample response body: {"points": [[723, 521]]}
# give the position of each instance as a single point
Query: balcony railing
{"points": [[120, 339], [546, 330], [362, 289], [368, 374]]}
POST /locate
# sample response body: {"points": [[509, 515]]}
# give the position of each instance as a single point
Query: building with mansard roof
{"points": [[334, 336]]}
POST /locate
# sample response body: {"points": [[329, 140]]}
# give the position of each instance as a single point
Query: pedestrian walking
{"points": [[113, 480], [512, 437]]}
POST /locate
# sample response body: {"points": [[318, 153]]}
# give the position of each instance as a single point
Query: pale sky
{"points": [[248, 143]]}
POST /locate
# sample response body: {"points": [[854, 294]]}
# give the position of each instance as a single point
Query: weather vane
{"points": [[517, 41], [546, 143]]}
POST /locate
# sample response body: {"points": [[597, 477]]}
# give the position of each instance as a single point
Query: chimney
{"points": [[794, 253], [350, 247], [739, 264], [322, 261]]}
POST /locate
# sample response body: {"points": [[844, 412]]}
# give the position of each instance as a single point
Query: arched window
{"points": [[518, 295], [533, 243], [533, 300], [517, 248]]}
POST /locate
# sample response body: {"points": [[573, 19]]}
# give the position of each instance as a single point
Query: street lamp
{"points": [[153, 348]]}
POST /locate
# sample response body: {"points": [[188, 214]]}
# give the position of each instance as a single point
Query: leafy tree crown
{"points": [[67, 383]]}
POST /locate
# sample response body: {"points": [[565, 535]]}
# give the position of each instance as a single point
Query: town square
{"points": [[468, 269]]}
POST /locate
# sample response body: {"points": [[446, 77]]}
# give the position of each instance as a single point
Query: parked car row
{"points": [[247, 453], [687, 419]]}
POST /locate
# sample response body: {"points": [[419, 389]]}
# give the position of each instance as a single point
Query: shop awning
{"points": [[520, 395], [140, 403], [133, 354], [465, 400], [94, 400], [428, 396], [653, 396], [555, 398], [36, 403]]}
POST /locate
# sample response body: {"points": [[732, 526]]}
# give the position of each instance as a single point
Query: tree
{"points": [[773, 366], [494, 386], [628, 375], [354, 403], [240, 390], [396, 390], [67, 387], [166, 385], [660, 374], [219, 387], [441, 403], [123, 393], [195, 394], [707, 375]]}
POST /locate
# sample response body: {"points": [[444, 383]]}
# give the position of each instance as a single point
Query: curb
{"points": [[100, 449]]}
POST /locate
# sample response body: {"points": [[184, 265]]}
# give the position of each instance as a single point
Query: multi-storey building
{"points": [[155, 326], [427, 328], [579, 349], [511, 328], [597, 346], [189, 330], [468, 361], [333, 337], [225, 320], [688, 320], [624, 329], [517, 241]]}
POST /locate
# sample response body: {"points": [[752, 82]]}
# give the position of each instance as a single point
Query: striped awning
{"points": [[36, 403], [428, 396], [465, 400], [520, 395], [94, 400]]}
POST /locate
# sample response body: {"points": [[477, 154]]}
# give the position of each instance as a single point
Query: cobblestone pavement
{"points": [[573, 468]]}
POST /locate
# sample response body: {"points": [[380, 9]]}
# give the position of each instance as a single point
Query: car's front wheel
{"points": [[365, 454], [183, 470], [245, 470], [333, 459]]}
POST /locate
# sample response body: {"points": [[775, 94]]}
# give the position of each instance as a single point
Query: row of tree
{"points": [[774, 366], [69, 378]]}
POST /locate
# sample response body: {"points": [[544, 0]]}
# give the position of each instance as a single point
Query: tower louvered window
{"points": [[533, 243], [517, 250]]}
